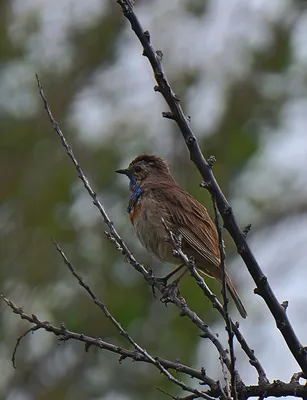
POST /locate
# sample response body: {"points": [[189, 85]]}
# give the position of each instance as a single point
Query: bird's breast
{"points": [[146, 218]]}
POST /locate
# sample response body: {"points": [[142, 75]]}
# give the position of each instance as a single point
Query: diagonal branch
{"points": [[263, 288], [227, 318]]}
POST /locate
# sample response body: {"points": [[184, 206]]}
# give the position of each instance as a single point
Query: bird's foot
{"points": [[153, 281], [158, 282], [162, 280], [170, 291]]}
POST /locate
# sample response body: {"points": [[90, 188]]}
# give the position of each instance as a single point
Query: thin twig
{"points": [[230, 223], [233, 372], [226, 380], [33, 329], [123, 332], [262, 378]]}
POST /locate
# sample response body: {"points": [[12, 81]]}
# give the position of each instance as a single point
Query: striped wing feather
{"points": [[199, 232], [194, 224]]}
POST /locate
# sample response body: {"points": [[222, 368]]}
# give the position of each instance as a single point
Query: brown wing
{"points": [[192, 220], [198, 231]]}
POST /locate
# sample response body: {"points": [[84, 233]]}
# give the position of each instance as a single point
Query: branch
{"points": [[138, 355], [263, 288], [33, 329], [277, 389], [227, 318]]}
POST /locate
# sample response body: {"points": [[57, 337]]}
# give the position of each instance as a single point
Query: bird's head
{"points": [[145, 167]]}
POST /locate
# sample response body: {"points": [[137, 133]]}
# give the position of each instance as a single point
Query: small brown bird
{"points": [[155, 195]]}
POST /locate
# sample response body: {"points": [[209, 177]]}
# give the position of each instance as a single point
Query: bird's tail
{"points": [[236, 298]]}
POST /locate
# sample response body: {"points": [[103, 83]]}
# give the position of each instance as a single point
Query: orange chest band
{"points": [[135, 212]]}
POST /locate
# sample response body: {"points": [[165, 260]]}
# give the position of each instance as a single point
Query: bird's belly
{"points": [[154, 237]]}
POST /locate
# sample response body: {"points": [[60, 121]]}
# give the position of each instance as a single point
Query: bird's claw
{"points": [[156, 282], [163, 281], [170, 291]]}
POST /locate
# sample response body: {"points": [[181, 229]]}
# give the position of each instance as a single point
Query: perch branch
{"points": [[226, 315]]}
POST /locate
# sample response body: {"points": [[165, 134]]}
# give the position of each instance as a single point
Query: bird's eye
{"points": [[137, 168]]}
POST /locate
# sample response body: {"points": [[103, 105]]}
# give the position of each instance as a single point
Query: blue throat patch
{"points": [[135, 195], [136, 192], [132, 181]]}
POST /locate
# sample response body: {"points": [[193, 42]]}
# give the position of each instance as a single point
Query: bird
{"points": [[158, 205]]}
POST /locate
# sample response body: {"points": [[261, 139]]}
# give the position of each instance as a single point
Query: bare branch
{"points": [[138, 355], [33, 329], [226, 315], [230, 223], [277, 389]]}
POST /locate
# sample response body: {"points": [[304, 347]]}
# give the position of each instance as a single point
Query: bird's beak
{"points": [[123, 171]]}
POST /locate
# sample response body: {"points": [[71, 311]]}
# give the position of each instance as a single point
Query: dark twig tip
{"points": [[87, 347], [191, 139], [168, 115], [228, 210], [241, 249], [147, 35], [159, 55], [246, 230], [211, 161], [176, 97], [257, 291], [296, 377], [206, 185]]}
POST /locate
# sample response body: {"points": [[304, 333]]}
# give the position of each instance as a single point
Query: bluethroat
{"points": [[156, 196]]}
